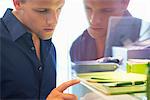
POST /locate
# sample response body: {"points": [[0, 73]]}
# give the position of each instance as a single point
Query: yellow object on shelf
{"points": [[137, 66], [112, 83], [148, 82]]}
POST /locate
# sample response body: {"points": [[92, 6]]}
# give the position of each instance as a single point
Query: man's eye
{"points": [[87, 8], [42, 11], [59, 9]]}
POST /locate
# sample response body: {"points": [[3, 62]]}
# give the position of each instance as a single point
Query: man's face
{"points": [[40, 16], [98, 13]]}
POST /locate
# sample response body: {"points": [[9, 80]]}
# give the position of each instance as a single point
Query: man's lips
{"points": [[49, 29], [97, 28]]}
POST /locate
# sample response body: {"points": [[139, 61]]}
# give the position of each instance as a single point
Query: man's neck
{"points": [[36, 42], [100, 46]]}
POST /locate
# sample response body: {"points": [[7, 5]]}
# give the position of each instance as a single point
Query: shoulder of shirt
{"points": [[85, 35], [3, 31]]}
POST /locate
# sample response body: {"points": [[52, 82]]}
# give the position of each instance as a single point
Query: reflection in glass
{"points": [[110, 24]]}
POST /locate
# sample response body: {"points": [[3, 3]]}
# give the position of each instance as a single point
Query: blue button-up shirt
{"points": [[22, 74]]}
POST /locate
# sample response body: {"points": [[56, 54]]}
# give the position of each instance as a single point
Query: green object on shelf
{"points": [[137, 66], [148, 82]]}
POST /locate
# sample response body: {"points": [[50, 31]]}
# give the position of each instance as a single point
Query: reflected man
{"points": [[91, 44]]}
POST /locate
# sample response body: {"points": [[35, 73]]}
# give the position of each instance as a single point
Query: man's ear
{"points": [[17, 4]]}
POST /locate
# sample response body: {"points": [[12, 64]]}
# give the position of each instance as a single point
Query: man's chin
{"points": [[97, 34], [45, 37]]}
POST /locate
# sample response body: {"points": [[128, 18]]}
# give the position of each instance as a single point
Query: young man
{"points": [[91, 44], [27, 54]]}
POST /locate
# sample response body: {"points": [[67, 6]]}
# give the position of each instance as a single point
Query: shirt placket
{"points": [[38, 65]]}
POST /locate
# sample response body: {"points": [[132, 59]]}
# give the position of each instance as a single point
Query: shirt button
{"points": [[32, 48], [40, 68]]}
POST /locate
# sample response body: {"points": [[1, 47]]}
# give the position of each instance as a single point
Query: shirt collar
{"points": [[127, 13], [14, 26]]}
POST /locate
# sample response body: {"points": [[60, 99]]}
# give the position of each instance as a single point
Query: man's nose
{"points": [[96, 19], [52, 18]]}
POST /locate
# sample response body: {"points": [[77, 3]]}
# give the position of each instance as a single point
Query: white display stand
{"points": [[85, 92]]}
